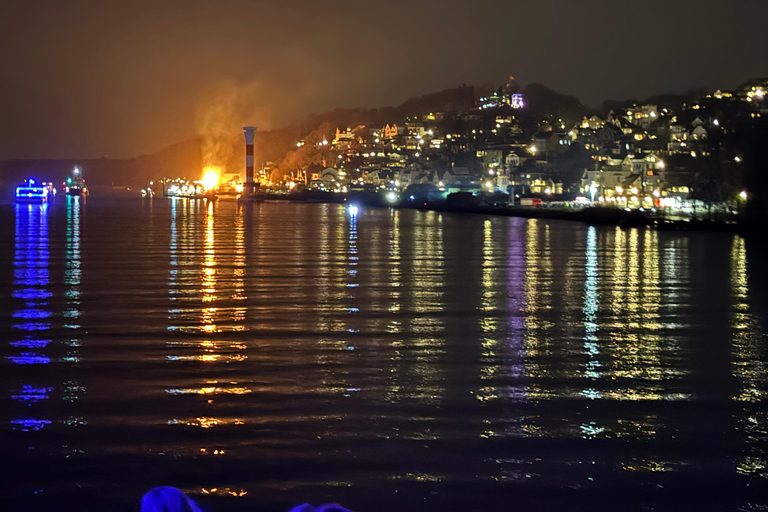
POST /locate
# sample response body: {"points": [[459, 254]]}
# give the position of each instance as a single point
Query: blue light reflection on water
{"points": [[31, 277], [31, 294], [32, 314], [29, 424], [31, 280], [31, 394], [29, 358], [31, 343], [46, 300]]}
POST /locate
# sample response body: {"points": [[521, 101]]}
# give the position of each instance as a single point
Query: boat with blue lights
{"points": [[32, 192], [75, 184]]}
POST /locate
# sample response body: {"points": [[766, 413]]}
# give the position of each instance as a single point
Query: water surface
{"points": [[263, 356]]}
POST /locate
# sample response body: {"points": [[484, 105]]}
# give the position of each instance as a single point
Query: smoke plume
{"points": [[222, 111]]}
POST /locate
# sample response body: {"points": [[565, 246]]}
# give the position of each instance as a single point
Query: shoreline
{"points": [[591, 215]]}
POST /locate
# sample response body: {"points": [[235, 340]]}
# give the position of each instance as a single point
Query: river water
{"points": [[263, 356]]}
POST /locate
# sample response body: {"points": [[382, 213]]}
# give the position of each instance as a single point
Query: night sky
{"points": [[94, 78]]}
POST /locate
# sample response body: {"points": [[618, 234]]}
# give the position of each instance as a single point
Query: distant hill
{"points": [[182, 158], [185, 159], [540, 100], [449, 101], [672, 102]]}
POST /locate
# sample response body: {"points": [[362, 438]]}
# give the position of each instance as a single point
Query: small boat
{"points": [[75, 185], [32, 192]]}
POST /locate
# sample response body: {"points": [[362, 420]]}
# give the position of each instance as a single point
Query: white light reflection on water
{"points": [[332, 274], [488, 323], [423, 341], [749, 366], [337, 267], [624, 356], [590, 310], [73, 275], [493, 350], [72, 388], [537, 300], [395, 271]]}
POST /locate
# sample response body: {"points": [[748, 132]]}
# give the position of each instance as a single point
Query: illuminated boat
{"points": [[32, 193], [75, 185]]}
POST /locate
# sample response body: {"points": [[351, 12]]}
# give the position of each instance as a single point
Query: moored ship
{"points": [[32, 192], [75, 185]]}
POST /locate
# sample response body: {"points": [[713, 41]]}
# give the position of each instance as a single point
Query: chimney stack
{"points": [[250, 134]]}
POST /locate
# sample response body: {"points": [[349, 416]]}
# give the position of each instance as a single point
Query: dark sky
{"points": [[95, 78]]}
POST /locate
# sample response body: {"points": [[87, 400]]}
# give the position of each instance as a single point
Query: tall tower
{"points": [[250, 134]]}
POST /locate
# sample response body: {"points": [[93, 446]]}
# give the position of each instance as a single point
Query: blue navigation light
{"points": [[353, 210]]}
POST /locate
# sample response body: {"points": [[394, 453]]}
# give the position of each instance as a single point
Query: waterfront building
{"points": [[461, 176]]}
